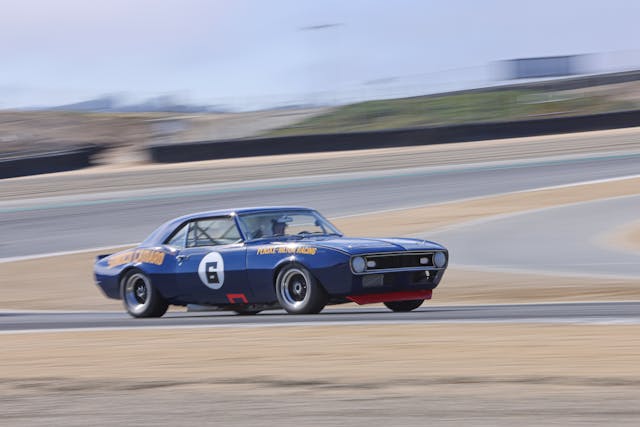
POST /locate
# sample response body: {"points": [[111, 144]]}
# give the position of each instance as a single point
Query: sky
{"points": [[231, 51]]}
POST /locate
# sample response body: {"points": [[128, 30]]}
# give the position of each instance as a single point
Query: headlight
{"points": [[358, 264], [439, 259], [371, 264]]}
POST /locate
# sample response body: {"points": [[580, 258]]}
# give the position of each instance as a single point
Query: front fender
{"points": [[264, 263]]}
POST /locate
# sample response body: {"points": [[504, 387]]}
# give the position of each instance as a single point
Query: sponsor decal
{"points": [[146, 256], [267, 251], [306, 250], [211, 270], [287, 250]]}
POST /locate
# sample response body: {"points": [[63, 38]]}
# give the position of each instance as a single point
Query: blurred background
{"points": [[125, 74], [509, 131]]}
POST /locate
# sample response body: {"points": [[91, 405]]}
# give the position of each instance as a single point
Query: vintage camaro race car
{"points": [[253, 259]]}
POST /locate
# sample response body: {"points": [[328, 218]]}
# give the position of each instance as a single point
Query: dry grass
{"points": [[626, 237], [334, 354], [468, 374]]}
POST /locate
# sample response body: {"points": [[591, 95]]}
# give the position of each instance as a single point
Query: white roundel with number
{"points": [[211, 270]]}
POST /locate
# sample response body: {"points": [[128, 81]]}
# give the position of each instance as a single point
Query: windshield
{"points": [[285, 223]]}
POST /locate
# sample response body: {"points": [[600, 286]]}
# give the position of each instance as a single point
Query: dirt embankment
{"points": [[125, 134]]}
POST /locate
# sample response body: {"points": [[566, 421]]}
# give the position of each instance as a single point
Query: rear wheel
{"points": [[298, 292], [140, 297], [403, 306]]}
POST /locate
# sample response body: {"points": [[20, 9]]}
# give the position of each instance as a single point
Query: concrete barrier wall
{"points": [[57, 161], [207, 150]]}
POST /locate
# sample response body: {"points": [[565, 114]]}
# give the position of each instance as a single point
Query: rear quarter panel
{"points": [[157, 262]]}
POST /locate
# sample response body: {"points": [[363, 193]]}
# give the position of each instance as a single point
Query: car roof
{"points": [[222, 212], [162, 232]]}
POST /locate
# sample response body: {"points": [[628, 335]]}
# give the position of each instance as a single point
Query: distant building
{"points": [[547, 66]]}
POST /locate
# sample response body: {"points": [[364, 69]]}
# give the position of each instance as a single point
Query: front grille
{"points": [[400, 261]]}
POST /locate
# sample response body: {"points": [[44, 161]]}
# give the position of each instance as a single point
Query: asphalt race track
{"points": [[598, 313], [37, 226], [557, 240]]}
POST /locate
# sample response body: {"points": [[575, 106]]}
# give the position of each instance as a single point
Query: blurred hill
{"points": [[565, 97], [124, 135], [125, 129], [113, 104]]}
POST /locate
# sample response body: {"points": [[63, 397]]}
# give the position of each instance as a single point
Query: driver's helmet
{"points": [[278, 226]]}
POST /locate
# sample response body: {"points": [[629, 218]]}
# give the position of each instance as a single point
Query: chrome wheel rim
{"points": [[294, 288], [137, 292]]}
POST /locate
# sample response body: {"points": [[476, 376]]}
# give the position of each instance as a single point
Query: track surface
{"points": [[32, 227], [618, 312], [562, 239], [555, 240]]}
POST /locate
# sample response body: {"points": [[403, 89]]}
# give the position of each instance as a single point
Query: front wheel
{"points": [[403, 306], [298, 292], [140, 297]]}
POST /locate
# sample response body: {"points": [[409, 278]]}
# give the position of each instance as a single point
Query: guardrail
{"points": [[54, 161], [208, 150]]}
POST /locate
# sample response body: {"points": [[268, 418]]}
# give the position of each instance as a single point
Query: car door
{"points": [[211, 264]]}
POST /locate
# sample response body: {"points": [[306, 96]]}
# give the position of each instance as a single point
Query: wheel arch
{"points": [[292, 262], [126, 271], [150, 272]]}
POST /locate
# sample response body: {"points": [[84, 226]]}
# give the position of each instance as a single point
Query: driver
{"points": [[278, 226]]}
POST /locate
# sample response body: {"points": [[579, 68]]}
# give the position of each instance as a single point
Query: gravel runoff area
{"points": [[408, 375]]}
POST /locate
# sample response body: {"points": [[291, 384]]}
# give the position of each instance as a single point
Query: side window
{"points": [[178, 239], [212, 232]]}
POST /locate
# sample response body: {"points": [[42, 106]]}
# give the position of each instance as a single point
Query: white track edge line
{"points": [[578, 321]]}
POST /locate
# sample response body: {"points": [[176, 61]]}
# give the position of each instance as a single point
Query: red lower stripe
{"points": [[233, 298], [391, 296]]}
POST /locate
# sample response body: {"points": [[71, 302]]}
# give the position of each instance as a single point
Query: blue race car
{"points": [[253, 259]]}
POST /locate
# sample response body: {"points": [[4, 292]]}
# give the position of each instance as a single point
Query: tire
{"points": [[139, 297], [404, 306], [298, 292]]}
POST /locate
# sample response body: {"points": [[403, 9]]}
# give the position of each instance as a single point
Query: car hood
{"points": [[358, 246]]}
